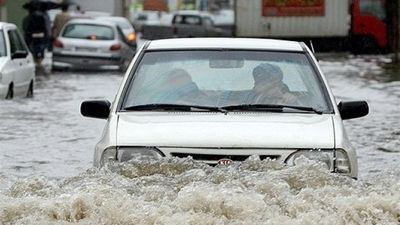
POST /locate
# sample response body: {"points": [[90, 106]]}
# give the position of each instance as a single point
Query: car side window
{"points": [[177, 19], [207, 22], [16, 43], [193, 20]]}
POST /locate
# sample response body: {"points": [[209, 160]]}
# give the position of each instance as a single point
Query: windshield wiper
{"points": [[172, 107], [269, 107]]}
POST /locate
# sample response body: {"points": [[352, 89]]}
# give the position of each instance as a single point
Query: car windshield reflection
{"points": [[227, 78]]}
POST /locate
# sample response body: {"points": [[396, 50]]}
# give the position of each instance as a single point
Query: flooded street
{"points": [[46, 151]]}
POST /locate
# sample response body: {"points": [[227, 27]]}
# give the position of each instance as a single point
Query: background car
{"points": [[125, 26], [146, 17], [17, 69], [91, 44]]}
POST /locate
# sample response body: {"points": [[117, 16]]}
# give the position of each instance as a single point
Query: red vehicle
{"points": [[368, 27]]}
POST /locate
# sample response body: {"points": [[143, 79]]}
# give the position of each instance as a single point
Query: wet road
{"points": [[46, 150], [47, 135]]}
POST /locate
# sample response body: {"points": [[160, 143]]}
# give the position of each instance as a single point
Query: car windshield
{"points": [[229, 78], [88, 31], [3, 51]]}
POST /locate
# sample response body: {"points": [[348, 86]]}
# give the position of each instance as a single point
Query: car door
{"points": [[127, 51], [21, 65], [209, 30]]}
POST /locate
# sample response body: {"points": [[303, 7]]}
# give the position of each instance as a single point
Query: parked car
{"points": [[91, 44], [125, 26], [201, 97], [185, 23], [146, 17], [17, 68]]}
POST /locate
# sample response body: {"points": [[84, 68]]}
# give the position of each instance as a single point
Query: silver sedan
{"points": [[91, 44]]}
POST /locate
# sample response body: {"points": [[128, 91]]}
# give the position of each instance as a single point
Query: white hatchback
{"points": [[17, 69], [91, 44], [220, 100]]}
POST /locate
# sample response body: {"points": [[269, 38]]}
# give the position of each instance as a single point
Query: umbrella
{"points": [[41, 4]]}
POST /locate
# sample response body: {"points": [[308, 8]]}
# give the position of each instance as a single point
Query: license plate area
{"points": [[85, 49]]}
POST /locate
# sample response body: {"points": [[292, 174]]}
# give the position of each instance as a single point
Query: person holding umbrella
{"points": [[37, 31]]}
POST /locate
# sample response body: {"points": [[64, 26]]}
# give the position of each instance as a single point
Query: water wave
{"points": [[181, 191]]}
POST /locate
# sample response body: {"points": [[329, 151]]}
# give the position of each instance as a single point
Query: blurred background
{"points": [[332, 25]]}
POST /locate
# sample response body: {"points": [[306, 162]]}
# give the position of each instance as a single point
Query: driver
{"points": [[269, 87]]}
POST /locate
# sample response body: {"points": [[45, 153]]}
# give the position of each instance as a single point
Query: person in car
{"points": [[181, 88], [269, 87]]}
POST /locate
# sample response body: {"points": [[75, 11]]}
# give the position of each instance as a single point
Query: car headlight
{"points": [[123, 154], [109, 155], [336, 160], [341, 162]]}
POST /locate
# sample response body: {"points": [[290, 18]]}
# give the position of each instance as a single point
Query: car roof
{"points": [[192, 13], [5, 24], [225, 43], [112, 18], [91, 21]]}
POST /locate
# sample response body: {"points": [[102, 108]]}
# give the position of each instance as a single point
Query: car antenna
{"points": [[312, 46], [312, 49]]}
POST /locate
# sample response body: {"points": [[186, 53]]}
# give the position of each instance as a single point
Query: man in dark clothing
{"points": [[269, 87], [36, 33]]}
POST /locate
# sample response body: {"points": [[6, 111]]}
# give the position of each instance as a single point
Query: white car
{"points": [[17, 68], [201, 97], [91, 44], [125, 25]]}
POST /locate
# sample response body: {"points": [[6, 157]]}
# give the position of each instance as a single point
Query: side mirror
{"points": [[19, 54], [96, 109], [351, 110]]}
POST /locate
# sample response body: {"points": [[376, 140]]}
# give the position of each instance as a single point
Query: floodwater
{"points": [[46, 177]]}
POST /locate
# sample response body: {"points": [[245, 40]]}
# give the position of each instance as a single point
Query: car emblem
{"points": [[225, 162]]}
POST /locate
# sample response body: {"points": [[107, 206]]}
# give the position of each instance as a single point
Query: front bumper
{"points": [[215, 156]]}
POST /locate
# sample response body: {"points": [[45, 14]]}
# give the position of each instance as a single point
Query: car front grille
{"points": [[212, 159]]}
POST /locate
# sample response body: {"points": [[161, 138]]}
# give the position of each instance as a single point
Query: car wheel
{"points": [[10, 92], [29, 94]]}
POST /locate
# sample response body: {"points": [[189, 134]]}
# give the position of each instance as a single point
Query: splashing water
{"points": [[181, 191]]}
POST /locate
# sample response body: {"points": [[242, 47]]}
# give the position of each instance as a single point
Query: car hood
{"points": [[234, 130]]}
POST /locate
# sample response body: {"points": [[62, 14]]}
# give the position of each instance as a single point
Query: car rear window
{"points": [[88, 31], [2, 44], [123, 24]]}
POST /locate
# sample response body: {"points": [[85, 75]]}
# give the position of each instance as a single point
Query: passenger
{"points": [[269, 87], [181, 87]]}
